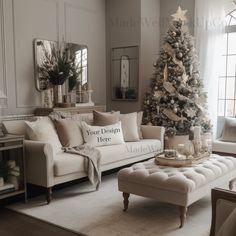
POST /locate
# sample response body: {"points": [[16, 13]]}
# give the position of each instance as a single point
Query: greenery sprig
{"points": [[58, 66]]}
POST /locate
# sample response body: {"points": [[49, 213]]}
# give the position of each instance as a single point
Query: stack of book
{"points": [[7, 188]]}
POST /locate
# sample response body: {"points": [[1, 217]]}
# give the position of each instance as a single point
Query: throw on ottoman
{"points": [[180, 186]]}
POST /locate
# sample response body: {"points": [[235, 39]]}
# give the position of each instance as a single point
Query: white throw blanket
{"points": [[92, 165]]}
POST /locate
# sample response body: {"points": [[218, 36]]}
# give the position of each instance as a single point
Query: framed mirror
{"points": [[125, 73], [80, 52], [40, 45], [81, 57]]}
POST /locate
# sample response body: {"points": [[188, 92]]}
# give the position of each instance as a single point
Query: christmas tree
{"points": [[176, 99]]}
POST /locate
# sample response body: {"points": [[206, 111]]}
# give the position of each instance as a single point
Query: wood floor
{"points": [[16, 224]]}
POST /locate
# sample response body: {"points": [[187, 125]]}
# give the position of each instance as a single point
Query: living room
{"points": [[117, 117]]}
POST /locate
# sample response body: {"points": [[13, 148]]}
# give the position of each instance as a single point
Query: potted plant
{"points": [[57, 67]]}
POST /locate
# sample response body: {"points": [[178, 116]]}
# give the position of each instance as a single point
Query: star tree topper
{"points": [[180, 15]]}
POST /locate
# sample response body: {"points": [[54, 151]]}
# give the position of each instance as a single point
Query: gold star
{"points": [[180, 15]]}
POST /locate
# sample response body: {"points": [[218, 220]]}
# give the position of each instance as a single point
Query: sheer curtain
{"points": [[209, 29]]}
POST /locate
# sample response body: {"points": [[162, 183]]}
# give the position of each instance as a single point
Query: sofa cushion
{"points": [[114, 153], [105, 118], [66, 163], [102, 135], [130, 129], [44, 130], [226, 147], [17, 127], [229, 131], [69, 132]]}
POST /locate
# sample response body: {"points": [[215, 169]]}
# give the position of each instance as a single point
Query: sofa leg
{"points": [[183, 212], [126, 201], [49, 195]]}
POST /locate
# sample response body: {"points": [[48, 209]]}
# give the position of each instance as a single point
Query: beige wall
{"points": [[123, 29], [129, 23], [21, 21]]}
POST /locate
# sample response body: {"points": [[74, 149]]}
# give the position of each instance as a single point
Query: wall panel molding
{"points": [[56, 3], [70, 6], [3, 45]]}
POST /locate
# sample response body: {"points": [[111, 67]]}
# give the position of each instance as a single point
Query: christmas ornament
{"points": [[169, 87], [184, 77], [175, 110], [180, 15], [195, 82], [168, 49], [165, 73], [190, 113], [172, 116]]}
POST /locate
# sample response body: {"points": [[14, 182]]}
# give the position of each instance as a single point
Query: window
{"points": [[227, 80]]}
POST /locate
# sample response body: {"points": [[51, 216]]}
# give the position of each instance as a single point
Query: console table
{"points": [[80, 109], [12, 148]]}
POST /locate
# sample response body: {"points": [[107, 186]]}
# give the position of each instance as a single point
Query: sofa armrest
{"points": [[153, 132], [39, 163]]}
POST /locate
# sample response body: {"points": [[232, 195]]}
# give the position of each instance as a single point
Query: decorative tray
{"points": [[180, 162]]}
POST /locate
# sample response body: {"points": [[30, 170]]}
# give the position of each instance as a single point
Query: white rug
{"points": [[100, 213]]}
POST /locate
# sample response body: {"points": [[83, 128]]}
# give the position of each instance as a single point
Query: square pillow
{"points": [[105, 118], [102, 135], [129, 123], [44, 130], [69, 132], [229, 131]]}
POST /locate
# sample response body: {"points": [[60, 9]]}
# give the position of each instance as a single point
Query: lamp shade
{"points": [[2, 95]]}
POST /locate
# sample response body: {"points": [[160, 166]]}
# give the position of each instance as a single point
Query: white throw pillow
{"points": [[129, 123], [103, 135], [43, 130]]}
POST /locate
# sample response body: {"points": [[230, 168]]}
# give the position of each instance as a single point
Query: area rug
{"points": [[99, 213]]}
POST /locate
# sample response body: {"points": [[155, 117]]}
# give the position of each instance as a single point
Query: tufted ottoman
{"points": [[180, 186]]}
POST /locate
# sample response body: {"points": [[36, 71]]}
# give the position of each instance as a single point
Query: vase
{"points": [[46, 98], [173, 142], [57, 94]]}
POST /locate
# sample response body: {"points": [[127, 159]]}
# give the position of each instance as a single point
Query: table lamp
{"points": [[2, 96]]}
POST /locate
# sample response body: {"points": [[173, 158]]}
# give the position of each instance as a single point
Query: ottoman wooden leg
{"points": [[231, 184], [126, 201], [183, 212]]}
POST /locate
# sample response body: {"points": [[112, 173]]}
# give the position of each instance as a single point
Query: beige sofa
{"points": [[46, 169]]}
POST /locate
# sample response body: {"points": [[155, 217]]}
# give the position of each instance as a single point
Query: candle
{"points": [[197, 132], [180, 148]]}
